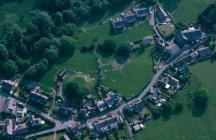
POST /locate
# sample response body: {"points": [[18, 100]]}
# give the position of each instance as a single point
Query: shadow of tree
{"points": [[198, 111], [121, 59]]}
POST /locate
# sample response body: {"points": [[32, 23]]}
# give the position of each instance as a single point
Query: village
{"points": [[31, 118]]}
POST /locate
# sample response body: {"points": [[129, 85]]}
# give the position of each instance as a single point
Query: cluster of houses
{"points": [[111, 100], [134, 108], [185, 38], [19, 120], [129, 18]]}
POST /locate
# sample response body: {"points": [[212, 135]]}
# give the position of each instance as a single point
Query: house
{"points": [[33, 121], [154, 94], [14, 129], [183, 70], [30, 84], [189, 36], [160, 46], [168, 82], [147, 40], [101, 106], [72, 129], [137, 127], [172, 50], [141, 12], [135, 107], [36, 96], [183, 60], [106, 124], [118, 23], [112, 99], [66, 111], [62, 75], [129, 17], [204, 52], [162, 16], [10, 106], [9, 86]]}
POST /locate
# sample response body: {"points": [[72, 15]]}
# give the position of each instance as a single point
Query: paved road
{"points": [[155, 77]]}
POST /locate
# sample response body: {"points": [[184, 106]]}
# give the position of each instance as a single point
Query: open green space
{"points": [[132, 76], [51, 137], [86, 62], [186, 126], [15, 7], [185, 11], [167, 30]]}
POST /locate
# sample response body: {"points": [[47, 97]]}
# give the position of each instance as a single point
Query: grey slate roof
{"points": [[106, 124], [118, 23]]}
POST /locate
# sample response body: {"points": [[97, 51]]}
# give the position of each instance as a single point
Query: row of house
{"points": [[135, 106], [162, 15], [168, 50], [196, 55], [105, 124], [112, 99], [38, 97], [130, 17]]}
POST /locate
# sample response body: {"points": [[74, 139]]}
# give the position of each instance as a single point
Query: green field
{"points": [[167, 30], [186, 126], [86, 62], [14, 7], [185, 11], [131, 77]]}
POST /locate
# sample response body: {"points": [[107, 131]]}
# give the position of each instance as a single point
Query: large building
{"points": [[106, 124], [162, 16], [189, 36], [36, 96], [9, 86]]}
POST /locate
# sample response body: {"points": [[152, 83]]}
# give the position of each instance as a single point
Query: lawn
{"points": [[14, 7], [167, 30], [131, 77], [186, 11], [51, 137], [86, 62], [186, 126]]}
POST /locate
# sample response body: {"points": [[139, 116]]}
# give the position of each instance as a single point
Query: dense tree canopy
{"points": [[208, 18], [74, 92]]}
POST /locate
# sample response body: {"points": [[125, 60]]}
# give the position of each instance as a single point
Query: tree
{"points": [[124, 49], [69, 16], [3, 52], [67, 45], [42, 67], [58, 18], [108, 47], [74, 92], [98, 6], [41, 45], [30, 72], [8, 69], [178, 108], [43, 21], [51, 54], [200, 98]]}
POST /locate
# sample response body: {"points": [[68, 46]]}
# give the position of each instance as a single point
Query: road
{"points": [[154, 79]]}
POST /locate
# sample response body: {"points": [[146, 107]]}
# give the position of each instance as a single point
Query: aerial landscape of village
{"points": [[107, 69]]}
